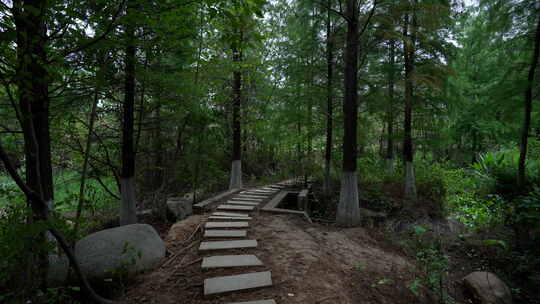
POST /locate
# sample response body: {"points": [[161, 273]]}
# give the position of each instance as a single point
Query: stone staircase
{"points": [[227, 229]]}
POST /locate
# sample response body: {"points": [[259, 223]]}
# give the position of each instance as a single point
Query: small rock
{"points": [[487, 288], [180, 208]]}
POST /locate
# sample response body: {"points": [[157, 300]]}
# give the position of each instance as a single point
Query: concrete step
{"points": [[257, 192], [223, 261], [234, 218], [225, 233], [256, 302], [245, 203], [222, 245], [210, 225], [237, 282], [234, 214], [235, 207], [249, 199], [255, 196]]}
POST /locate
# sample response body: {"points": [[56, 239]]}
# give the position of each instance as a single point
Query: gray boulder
{"points": [[131, 248], [180, 208], [487, 288]]}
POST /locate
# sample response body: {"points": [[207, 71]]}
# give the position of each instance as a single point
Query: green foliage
{"points": [[432, 265], [18, 241], [467, 201], [527, 210]]}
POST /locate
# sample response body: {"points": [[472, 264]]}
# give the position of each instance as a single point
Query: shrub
{"points": [[498, 171]]}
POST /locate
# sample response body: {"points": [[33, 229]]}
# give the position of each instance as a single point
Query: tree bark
{"points": [[236, 167], [329, 102], [528, 110], [128, 214], [408, 50], [390, 120], [348, 213], [32, 81]]}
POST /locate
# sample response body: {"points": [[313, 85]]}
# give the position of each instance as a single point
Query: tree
{"points": [[409, 42], [348, 213], [329, 99], [528, 106], [128, 209]]}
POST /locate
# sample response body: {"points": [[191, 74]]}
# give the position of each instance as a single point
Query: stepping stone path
{"points": [[242, 203], [251, 196], [226, 225], [235, 218], [225, 233], [249, 199], [237, 282], [220, 225], [235, 207], [221, 245], [256, 302], [223, 261], [235, 214]]}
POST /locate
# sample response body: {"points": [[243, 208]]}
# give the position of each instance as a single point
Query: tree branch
{"points": [[109, 28], [369, 18]]}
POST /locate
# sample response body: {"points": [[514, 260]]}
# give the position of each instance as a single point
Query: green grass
{"points": [[66, 192]]}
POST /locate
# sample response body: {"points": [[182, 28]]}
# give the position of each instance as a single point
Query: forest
{"points": [[412, 125]]}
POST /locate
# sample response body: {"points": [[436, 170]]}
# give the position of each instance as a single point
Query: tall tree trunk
{"points": [[329, 102], [408, 50], [523, 230], [158, 149], [32, 81], [236, 167], [390, 127], [128, 212], [528, 110], [348, 213]]}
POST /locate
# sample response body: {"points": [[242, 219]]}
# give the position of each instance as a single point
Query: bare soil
{"points": [[310, 263]]}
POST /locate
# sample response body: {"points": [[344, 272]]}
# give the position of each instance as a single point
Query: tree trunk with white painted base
{"points": [[348, 213], [409, 31], [236, 167], [410, 181], [236, 175]]}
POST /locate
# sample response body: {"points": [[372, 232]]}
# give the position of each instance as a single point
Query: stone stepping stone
{"points": [[263, 190], [230, 214], [242, 203], [235, 207], [223, 261], [247, 199], [210, 225], [235, 218], [221, 245], [257, 192], [252, 195], [256, 302], [237, 282], [225, 233]]}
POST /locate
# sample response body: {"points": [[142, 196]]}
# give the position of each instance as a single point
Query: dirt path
{"points": [[310, 263]]}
